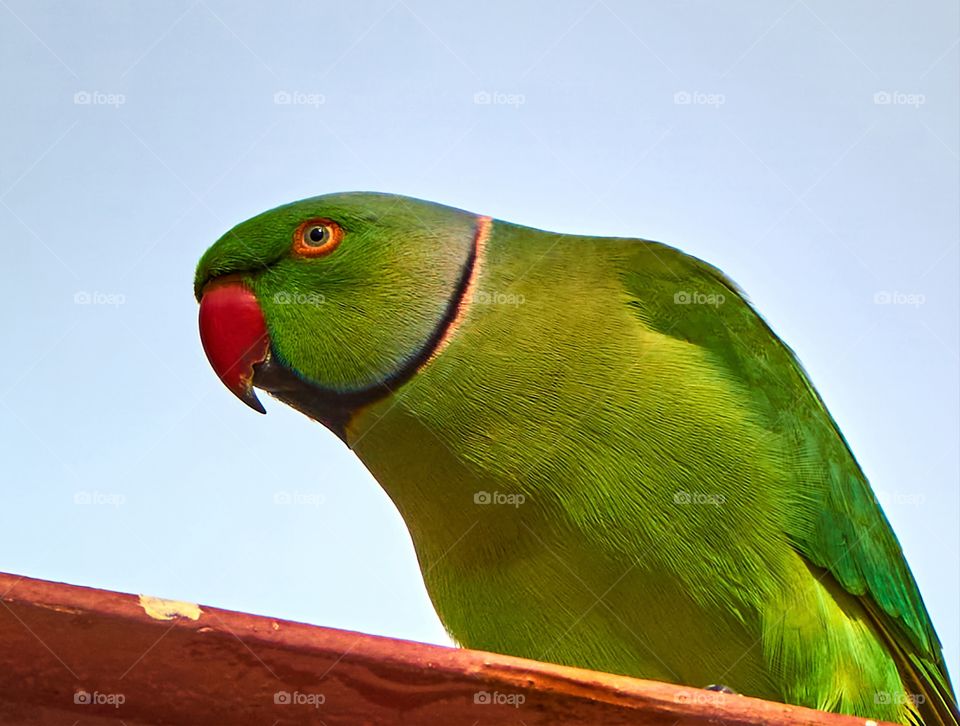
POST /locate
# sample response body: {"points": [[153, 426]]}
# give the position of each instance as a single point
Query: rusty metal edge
{"points": [[631, 694]]}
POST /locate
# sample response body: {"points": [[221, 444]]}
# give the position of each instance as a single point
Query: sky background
{"points": [[807, 148]]}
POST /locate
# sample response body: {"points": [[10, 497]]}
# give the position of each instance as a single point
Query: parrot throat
{"points": [[334, 408]]}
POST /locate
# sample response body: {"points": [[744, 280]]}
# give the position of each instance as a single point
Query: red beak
{"points": [[234, 336]]}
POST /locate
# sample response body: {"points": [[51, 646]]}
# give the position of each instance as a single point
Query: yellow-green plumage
{"points": [[612, 462]]}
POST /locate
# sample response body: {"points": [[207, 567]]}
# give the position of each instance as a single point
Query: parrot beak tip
{"points": [[253, 402], [249, 396]]}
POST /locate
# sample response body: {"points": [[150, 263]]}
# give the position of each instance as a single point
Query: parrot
{"points": [[603, 454]]}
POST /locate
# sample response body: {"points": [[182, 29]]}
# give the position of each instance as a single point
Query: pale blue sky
{"points": [[808, 148]]}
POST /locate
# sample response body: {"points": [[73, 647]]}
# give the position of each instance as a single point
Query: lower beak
{"points": [[234, 336]]}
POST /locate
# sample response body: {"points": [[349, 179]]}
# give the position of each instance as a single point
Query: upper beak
{"points": [[234, 336]]}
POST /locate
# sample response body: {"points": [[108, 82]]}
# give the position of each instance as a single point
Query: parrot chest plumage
{"points": [[527, 472], [510, 571]]}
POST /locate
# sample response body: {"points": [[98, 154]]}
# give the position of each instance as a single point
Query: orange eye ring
{"points": [[317, 237]]}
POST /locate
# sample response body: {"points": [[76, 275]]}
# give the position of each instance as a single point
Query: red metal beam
{"points": [[77, 656]]}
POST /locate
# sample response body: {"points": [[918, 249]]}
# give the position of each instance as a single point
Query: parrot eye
{"points": [[316, 237]]}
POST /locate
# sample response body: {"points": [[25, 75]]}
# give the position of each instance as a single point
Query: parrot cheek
{"points": [[234, 336]]}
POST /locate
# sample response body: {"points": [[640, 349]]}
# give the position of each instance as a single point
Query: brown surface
{"points": [[58, 641]]}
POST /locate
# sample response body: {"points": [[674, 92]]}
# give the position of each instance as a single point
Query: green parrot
{"points": [[604, 456]]}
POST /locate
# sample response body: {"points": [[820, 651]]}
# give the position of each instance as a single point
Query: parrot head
{"points": [[332, 302]]}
